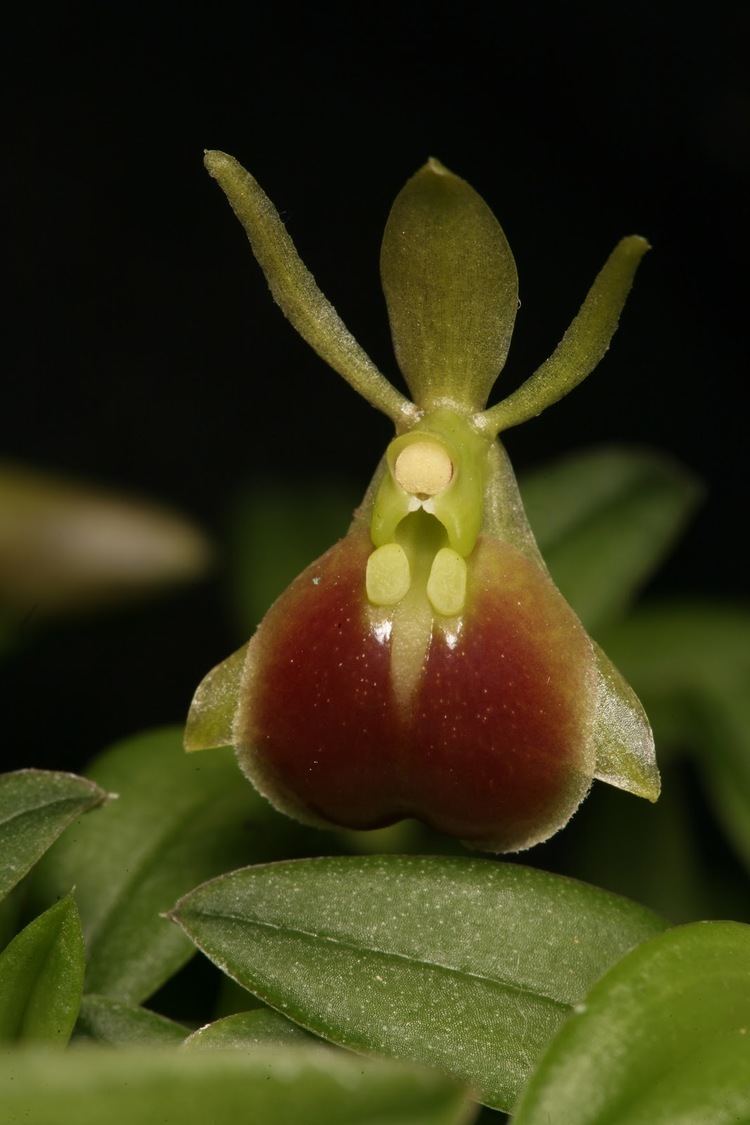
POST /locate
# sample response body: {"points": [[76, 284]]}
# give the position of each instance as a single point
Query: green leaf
{"points": [[721, 745], [295, 291], [257, 1028], [451, 288], [151, 1087], [673, 650], [41, 978], [66, 546], [664, 1037], [110, 1021], [276, 529], [691, 665], [178, 819], [35, 807], [584, 344], [463, 964], [604, 519]]}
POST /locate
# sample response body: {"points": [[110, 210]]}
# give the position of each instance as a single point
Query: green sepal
{"points": [[295, 290], [451, 288], [211, 715], [583, 345], [622, 735]]}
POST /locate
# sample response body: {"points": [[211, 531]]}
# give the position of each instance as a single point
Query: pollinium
{"points": [[427, 666]]}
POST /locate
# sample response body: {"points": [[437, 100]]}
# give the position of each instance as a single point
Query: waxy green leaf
{"points": [[313, 1085], [664, 1037], [604, 519], [41, 978], [110, 1021], [451, 288], [463, 964], [178, 819], [35, 807], [257, 1028]]}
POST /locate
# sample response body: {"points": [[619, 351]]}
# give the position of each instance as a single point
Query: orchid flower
{"points": [[426, 665]]}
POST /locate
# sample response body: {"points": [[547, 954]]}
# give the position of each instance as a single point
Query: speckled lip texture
{"points": [[494, 746]]}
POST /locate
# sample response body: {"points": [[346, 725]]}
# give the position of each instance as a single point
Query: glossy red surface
{"points": [[494, 748]]}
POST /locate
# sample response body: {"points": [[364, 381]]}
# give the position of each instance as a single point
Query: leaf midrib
{"points": [[47, 806], [351, 945]]}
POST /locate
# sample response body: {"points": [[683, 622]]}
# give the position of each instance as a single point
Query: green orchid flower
{"points": [[427, 666]]}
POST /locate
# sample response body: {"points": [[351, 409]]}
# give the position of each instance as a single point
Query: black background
{"points": [[144, 351]]}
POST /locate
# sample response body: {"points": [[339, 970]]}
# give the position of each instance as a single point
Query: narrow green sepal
{"points": [[583, 345], [622, 735], [296, 293], [451, 288], [211, 716]]}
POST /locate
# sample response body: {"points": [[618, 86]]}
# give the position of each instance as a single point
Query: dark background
{"points": [[144, 351]]}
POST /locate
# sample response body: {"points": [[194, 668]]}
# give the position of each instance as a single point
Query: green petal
{"points": [[622, 735], [451, 288], [583, 345], [295, 291], [211, 717]]}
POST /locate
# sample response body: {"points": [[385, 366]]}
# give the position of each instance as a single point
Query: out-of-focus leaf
{"points": [[677, 649], [110, 1021], [257, 1028], [35, 807], [41, 978], [604, 519], [67, 546], [663, 1038], [276, 530], [691, 665], [654, 854], [178, 820], [311, 1084], [463, 964], [722, 747]]}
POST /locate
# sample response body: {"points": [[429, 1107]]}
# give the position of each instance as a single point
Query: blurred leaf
{"points": [[41, 978], [301, 1084], [684, 647], [604, 519], [177, 821], [655, 854], [66, 546], [276, 530], [690, 662], [110, 1021], [722, 746], [463, 964], [35, 807], [664, 1037], [257, 1028]]}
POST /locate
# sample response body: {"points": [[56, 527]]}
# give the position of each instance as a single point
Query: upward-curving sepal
{"points": [[295, 290], [451, 288], [581, 348]]}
